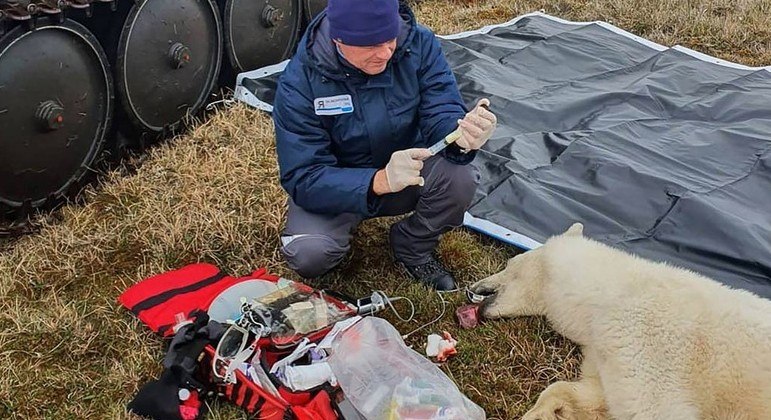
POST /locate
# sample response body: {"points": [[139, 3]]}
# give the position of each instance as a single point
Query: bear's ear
{"points": [[576, 230]]}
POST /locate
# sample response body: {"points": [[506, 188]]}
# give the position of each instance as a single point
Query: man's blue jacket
{"points": [[336, 126]]}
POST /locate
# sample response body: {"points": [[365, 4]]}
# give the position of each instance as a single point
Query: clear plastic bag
{"points": [[385, 379]]}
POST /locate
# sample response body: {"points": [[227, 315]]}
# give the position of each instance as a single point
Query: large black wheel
{"points": [[311, 8], [259, 33], [167, 61], [56, 103]]}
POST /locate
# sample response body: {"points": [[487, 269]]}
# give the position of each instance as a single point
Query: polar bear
{"points": [[658, 342]]}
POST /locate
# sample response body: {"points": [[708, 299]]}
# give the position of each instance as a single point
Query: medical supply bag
{"points": [[267, 320]]}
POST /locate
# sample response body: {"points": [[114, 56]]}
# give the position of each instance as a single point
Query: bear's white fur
{"points": [[658, 342]]}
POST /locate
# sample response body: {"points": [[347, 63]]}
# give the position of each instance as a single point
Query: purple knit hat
{"points": [[363, 22]]}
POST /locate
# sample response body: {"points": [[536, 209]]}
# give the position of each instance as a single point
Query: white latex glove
{"points": [[404, 168], [477, 126]]}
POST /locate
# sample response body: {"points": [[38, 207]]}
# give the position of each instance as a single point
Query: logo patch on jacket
{"points": [[333, 105]]}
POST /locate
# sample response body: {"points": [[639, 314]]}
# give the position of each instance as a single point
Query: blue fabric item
{"points": [[327, 162], [363, 22]]}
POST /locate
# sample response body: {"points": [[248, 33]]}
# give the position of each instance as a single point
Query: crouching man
{"points": [[367, 91]]}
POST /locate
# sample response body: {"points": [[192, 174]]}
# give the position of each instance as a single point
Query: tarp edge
{"points": [[499, 232], [605, 25], [715, 60], [242, 94]]}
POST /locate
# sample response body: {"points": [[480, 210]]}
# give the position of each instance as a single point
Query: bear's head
{"points": [[518, 289]]}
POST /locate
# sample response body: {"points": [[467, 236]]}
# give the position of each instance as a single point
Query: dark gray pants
{"points": [[315, 243]]}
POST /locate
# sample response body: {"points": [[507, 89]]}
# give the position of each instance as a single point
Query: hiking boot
{"points": [[431, 274]]}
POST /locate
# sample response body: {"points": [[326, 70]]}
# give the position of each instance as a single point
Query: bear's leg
{"points": [[582, 400]]}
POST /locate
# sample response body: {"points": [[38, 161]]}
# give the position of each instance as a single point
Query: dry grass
{"points": [[734, 30], [68, 351]]}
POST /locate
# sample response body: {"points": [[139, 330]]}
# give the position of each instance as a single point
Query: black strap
{"points": [[248, 394], [163, 297], [258, 405], [289, 414]]}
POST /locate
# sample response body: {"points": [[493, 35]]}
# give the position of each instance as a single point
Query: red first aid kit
{"points": [[165, 302]]}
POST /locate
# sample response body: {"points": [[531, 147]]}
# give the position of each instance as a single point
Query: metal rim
{"points": [[123, 90], [229, 36], [16, 35], [307, 10]]}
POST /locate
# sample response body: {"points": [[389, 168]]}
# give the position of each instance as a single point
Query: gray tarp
{"points": [[658, 151]]}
